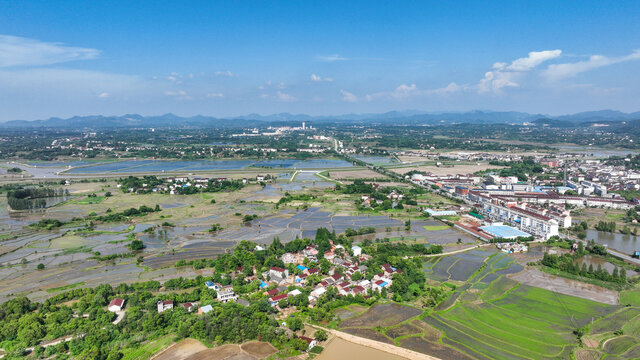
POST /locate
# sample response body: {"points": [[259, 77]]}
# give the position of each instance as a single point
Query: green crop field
{"points": [[527, 322], [436, 227], [631, 297]]}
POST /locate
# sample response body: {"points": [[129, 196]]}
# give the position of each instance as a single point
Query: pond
{"points": [[624, 243]]}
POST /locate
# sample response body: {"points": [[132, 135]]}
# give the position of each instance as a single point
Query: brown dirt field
{"points": [[590, 343], [258, 349], [217, 353], [537, 278], [181, 350], [450, 170], [586, 354]]}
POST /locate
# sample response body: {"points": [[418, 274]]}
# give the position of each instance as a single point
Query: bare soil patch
{"points": [[587, 354], [181, 350], [218, 353], [258, 349]]}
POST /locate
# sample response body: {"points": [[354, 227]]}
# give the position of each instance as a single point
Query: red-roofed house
{"points": [[275, 299], [189, 306], [116, 304]]}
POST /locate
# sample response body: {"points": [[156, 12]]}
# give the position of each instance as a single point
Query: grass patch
{"points": [[436, 227], [146, 350], [630, 297], [65, 287], [89, 200]]}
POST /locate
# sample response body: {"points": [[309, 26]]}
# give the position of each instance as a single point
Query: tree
{"points": [[136, 245], [321, 335], [41, 266], [295, 324]]}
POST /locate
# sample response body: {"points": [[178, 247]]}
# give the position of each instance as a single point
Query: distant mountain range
{"points": [[395, 117]]}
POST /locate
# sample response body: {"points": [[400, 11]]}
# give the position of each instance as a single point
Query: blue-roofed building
{"points": [[212, 285], [440, 212], [504, 231], [263, 284], [302, 268]]}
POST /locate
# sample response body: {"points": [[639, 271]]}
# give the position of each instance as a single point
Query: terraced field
{"points": [[495, 317]]}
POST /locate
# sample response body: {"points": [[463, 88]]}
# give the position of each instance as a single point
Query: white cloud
{"points": [[534, 59], [561, 71], [449, 89], [179, 94], [215, 95], [332, 58], [225, 73], [317, 78], [505, 75], [284, 97], [104, 95], [348, 97], [19, 51]]}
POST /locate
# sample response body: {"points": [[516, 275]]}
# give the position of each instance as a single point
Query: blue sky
{"points": [[65, 58]]}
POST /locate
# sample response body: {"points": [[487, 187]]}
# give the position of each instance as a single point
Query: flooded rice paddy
{"points": [[161, 166]]}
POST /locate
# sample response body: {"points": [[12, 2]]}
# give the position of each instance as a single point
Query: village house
{"points": [[116, 305], [164, 305], [226, 293], [189, 306]]}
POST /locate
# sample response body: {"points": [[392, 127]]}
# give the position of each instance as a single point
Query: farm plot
{"points": [[403, 330], [368, 334], [383, 315], [620, 345], [181, 350], [458, 267], [523, 323], [615, 321], [419, 344]]}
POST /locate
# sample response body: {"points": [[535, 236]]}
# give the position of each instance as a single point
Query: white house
{"points": [[164, 305], [116, 305], [225, 294]]}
